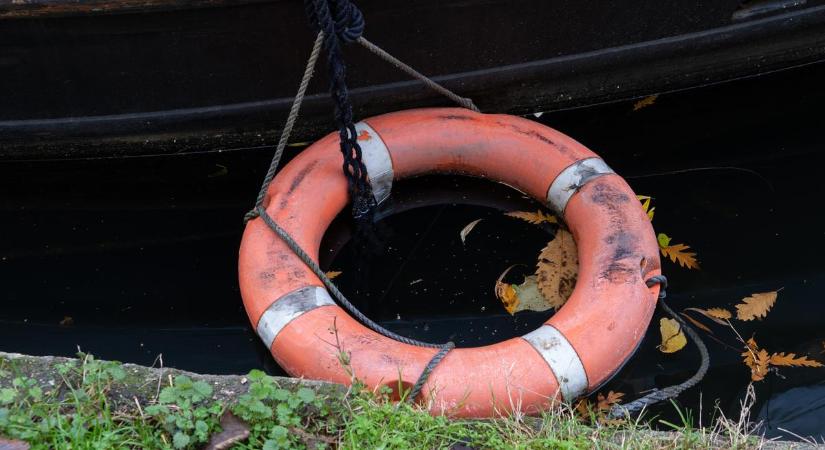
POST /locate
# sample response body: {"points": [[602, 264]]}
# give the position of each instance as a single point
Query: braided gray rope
{"points": [[462, 101], [260, 211], [659, 395], [288, 125]]}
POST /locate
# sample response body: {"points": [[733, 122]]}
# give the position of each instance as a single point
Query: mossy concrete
{"points": [[144, 383]]}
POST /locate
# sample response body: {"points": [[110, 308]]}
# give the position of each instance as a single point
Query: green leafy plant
{"points": [[278, 417], [185, 413]]}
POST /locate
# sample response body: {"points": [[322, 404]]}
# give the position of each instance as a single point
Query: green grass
{"points": [[77, 411]]}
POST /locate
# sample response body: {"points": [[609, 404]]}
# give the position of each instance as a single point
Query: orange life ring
{"points": [[576, 350]]}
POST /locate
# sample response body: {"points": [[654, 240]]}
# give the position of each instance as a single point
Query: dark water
{"points": [[137, 257]]}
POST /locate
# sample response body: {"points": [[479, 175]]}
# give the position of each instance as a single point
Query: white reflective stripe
{"points": [[287, 308], [376, 157], [572, 179], [562, 359]]}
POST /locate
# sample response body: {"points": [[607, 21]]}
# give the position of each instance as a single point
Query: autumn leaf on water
{"points": [[791, 360], [333, 273], [677, 252], [520, 297], [718, 315], [557, 269], [536, 218], [605, 402], [506, 293], [696, 323], [599, 409], [673, 339], [467, 229], [646, 199], [645, 102], [756, 359], [756, 306]]}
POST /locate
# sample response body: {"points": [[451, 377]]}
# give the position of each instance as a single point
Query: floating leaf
{"points": [[604, 402], [677, 254], [791, 360], [645, 102], [718, 315], [467, 229], [333, 273], [520, 297], [598, 410], [758, 362], [506, 293], [646, 199], [663, 239], [536, 218], [756, 359], [673, 339], [557, 268], [696, 323], [756, 306]]}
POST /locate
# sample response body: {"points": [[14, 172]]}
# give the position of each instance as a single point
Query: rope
{"points": [[425, 374], [290, 123], [658, 395], [341, 21], [347, 34], [337, 21], [462, 101]]}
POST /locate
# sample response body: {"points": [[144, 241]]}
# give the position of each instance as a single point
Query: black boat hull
{"points": [[102, 79]]}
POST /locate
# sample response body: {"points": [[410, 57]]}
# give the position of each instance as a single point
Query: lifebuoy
{"points": [[575, 351]]}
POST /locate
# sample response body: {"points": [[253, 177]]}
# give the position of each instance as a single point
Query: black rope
{"points": [[659, 395], [341, 21]]}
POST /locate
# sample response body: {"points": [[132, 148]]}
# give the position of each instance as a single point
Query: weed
{"points": [[76, 411]]}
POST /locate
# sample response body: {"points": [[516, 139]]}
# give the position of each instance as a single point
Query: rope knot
{"points": [[349, 21], [340, 18]]}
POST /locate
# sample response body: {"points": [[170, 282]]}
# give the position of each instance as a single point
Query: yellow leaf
{"points": [[467, 229], [677, 253], [673, 339], [696, 323], [333, 273], [520, 297], [645, 102], [646, 199], [557, 268], [663, 239], [535, 218], [756, 306], [506, 293], [718, 315], [791, 360]]}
